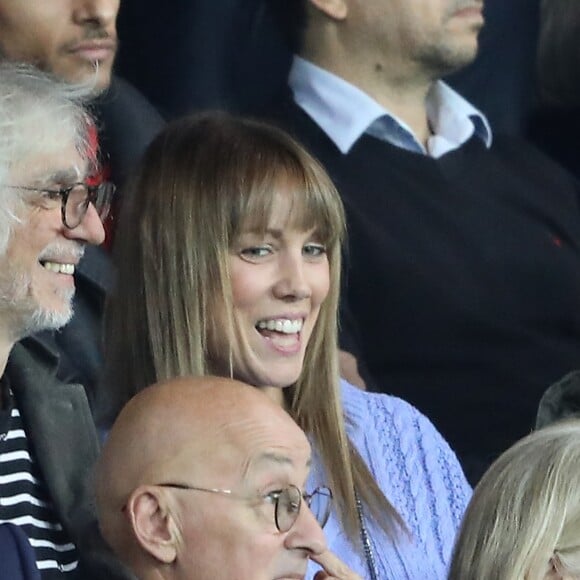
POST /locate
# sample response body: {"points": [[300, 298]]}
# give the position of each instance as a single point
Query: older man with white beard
{"points": [[76, 41], [48, 214]]}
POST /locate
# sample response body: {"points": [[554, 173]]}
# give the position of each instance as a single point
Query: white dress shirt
{"points": [[345, 113]]}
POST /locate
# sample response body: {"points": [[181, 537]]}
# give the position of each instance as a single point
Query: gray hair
{"points": [[39, 115], [524, 518]]}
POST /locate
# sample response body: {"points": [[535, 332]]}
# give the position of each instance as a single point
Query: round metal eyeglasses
{"points": [[287, 502], [75, 200]]}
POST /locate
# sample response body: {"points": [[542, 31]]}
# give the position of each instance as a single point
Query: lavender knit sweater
{"points": [[420, 476]]}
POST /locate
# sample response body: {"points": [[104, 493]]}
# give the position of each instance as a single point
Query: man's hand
{"points": [[333, 568]]}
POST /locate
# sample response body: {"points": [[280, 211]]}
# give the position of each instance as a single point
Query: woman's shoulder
{"points": [[412, 463], [363, 406], [395, 437], [390, 422]]}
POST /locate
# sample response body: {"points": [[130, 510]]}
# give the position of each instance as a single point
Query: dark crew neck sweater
{"points": [[462, 278]]}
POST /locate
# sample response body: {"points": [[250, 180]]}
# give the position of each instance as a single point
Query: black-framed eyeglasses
{"points": [[287, 502], [75, 200]]}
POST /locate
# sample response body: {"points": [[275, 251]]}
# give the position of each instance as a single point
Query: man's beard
{"points": [[442, 59], [86, 79], [45, 319], [21, 310], [448, 53], [26, 315]]}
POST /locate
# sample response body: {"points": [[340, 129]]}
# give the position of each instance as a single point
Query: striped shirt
{"points": [[24, 501]]}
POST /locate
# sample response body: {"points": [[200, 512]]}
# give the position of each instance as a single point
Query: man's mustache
{"points": [[463, 5], [91, 33]]}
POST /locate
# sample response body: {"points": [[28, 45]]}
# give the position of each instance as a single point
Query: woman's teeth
{"points": [[283, 325]]}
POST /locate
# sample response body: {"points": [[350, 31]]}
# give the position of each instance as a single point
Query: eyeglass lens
{"points": [[288, 506], [320, 502], [102, 199], [80, 197]]}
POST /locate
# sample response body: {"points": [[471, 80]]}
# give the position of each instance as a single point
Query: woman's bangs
{"points": [[311, 205]]}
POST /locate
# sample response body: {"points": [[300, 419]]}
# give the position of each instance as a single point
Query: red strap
{"points": [[102, 173]]}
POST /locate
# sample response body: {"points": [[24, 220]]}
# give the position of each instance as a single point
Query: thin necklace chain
{"points": [[364, 536]]}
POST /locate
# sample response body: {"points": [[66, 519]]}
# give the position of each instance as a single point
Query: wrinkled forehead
{"points": [[240, 452], [268, 451], [45, 139], [62, 166]]}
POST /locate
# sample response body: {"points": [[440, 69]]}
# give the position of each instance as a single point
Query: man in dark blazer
{"points": [[462, 289], [77, 42], [48, 217]]}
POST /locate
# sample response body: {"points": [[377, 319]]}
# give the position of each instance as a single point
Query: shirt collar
{"points": [[345, 112], [453, 120]]}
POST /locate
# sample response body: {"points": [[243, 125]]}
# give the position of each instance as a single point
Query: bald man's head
{"points": [[205, 432]]}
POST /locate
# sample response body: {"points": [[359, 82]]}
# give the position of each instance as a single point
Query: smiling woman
{"points": [[280, 277], [229, 252]]}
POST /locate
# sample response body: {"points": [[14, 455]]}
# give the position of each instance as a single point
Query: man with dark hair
{"points": [[77, 42], [48, 217], [462, 289]]}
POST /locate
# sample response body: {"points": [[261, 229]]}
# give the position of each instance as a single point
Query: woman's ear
{"points": [[335, 9], [152, 523]]}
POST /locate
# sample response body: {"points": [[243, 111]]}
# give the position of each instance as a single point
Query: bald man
{"points": [[202, 479]]}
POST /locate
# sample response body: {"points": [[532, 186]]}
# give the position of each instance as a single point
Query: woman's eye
{"points": [[256, 252], [314, 250]]}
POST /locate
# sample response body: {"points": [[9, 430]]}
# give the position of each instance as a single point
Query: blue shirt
{"points": [[345, 113], [420, 476]]}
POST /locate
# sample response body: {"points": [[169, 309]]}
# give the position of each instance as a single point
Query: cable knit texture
{"points": [[418, 473]]}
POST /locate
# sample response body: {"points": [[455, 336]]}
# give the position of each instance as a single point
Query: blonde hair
{"points": [[200, 182], [524, 518]]}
